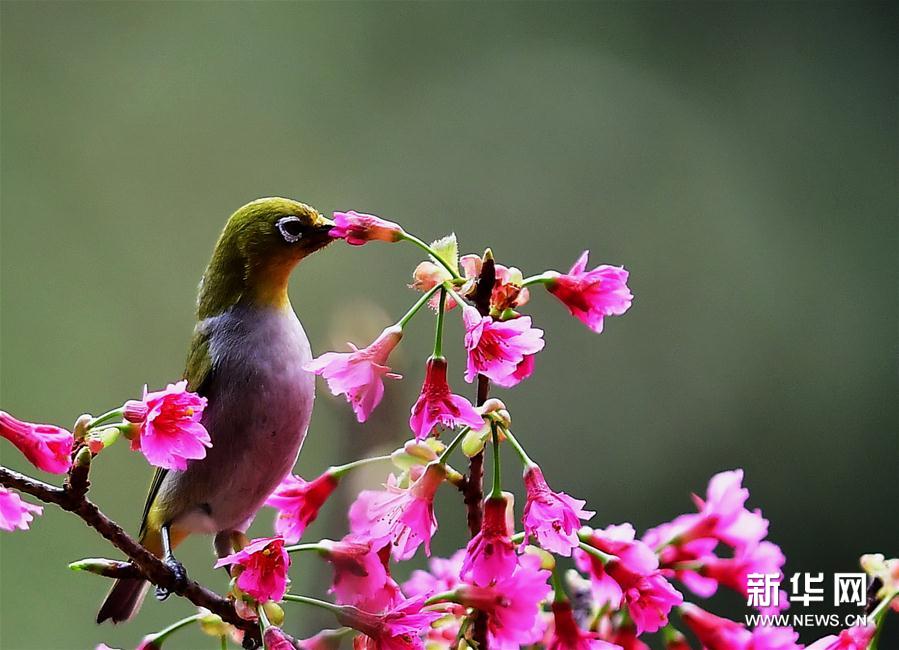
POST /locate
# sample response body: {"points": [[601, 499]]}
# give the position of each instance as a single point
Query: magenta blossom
{"points": [[438, 406], [590, 296], [47, 447], [15, 513], [566, 635], [512, 604], [358, 374], [552, 517], [852, 638], [358, 228], [500, 350], [399, 628], [717, 633], [733, 572], [168, 428], [442, 575], [265, 563], [298, 503], [402, 516], [361, 577], [490, 554]]}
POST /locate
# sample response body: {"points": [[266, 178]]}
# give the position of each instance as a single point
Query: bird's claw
{"points": [[180, 577]]}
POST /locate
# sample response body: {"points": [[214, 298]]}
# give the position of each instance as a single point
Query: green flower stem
{"points": [[543, 278], [445, 597], [109, 416], [517, 538], [315, 602], [497, 491], [224, 642], [595, 552], [414, 309], [559, 595], [339, 470], [452, 446], [296, 548], [438, 336], [525, 459], [430, 251], [174, 627], [882, 607], [459, 299], [264, 623]]}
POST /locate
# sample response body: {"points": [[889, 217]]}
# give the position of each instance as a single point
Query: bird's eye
{"points": [[291, 229]]}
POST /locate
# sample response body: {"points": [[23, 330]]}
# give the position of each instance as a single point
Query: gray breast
{"points": [[260, 402]]}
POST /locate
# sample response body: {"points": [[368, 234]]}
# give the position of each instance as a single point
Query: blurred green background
{"points": [[739, 159]]}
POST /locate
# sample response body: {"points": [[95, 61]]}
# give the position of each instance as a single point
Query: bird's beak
{"points": [[324, 225]]}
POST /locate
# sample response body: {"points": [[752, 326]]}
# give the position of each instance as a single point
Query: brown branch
{"points": [[473, 490], [72, 498]]}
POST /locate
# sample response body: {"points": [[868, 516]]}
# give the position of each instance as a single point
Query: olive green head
{"points": [[260, 245]]}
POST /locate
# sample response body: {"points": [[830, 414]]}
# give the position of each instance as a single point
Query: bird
{"points": [[246, 358]]}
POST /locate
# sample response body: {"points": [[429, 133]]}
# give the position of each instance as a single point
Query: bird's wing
{"points": [[198, 373]]}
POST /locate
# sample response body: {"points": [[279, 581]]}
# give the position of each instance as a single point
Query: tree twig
{"points": [[72, 497]]}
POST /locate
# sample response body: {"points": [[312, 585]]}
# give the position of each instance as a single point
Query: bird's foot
{"points": [[180, 577]]}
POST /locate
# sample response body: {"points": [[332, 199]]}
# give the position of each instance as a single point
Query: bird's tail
{"points": [[127, 594]]}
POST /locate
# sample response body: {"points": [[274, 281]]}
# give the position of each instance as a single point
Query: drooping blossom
{"points": [[722, 516], [402, 516], [264, 572], [47, 447], [565, 634], [358, 228], [733, 572], [151, 642], [168, 428], [512, 604], [361, 577], [298, 503], [500, 350], [852, 638], [717, 633], [490, 555], [590, 296], [629, 578], [552, 517], [359, 374], [399, 628], [437, 406], [15, 513]]}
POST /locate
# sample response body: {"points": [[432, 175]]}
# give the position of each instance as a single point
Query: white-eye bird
{"points": [[246, 358]]}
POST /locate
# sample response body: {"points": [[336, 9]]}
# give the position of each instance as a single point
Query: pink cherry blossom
{"points": [[169, 431], [717, 633], [649, 598], [552, 517], [497, 349], [402, 516], [15, 513], [507, 290], [361, 577], [47, 447], [490, 554], [723, 506], [265, 563], [512, 604], [733, 572], [298, 503], [324, 640], [436, 405], [399, 628], [590, 296], [359, 374], [566, 635], [442, 575], [358, 228], [853, 638]]}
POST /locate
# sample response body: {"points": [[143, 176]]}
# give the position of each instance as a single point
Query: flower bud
{"points": [[547, 559], [135, 411], [474, 441], [273, 612], [80, 428], [212, 624]]}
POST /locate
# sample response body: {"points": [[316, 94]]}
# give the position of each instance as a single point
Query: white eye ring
{"points": [[284, 226]]}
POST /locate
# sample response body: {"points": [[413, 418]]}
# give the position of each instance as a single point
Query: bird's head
{"points": [[260, 245]]}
